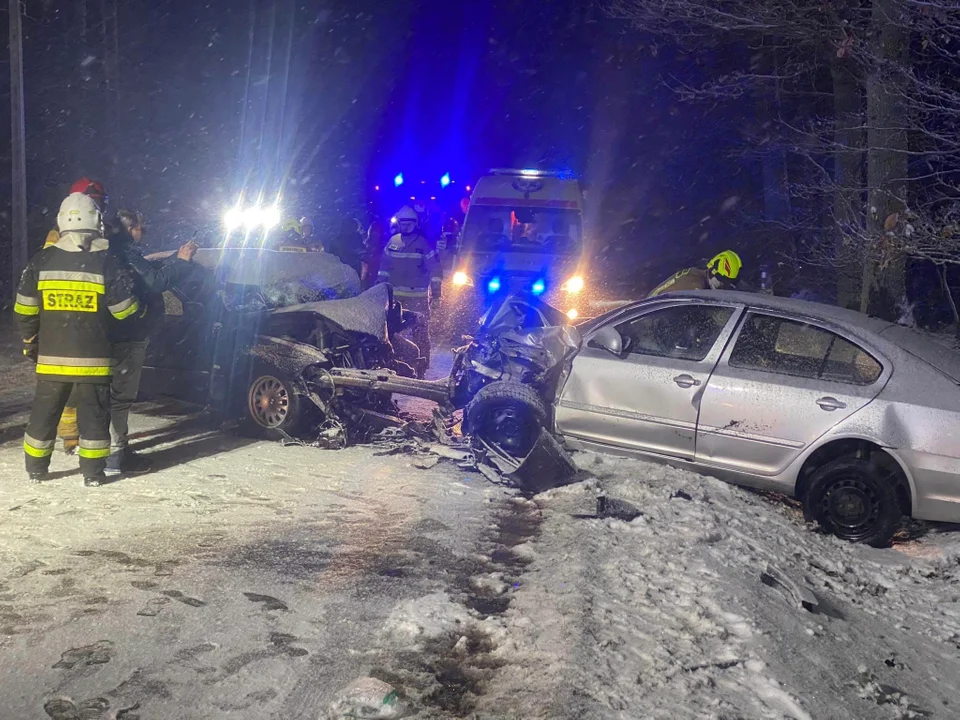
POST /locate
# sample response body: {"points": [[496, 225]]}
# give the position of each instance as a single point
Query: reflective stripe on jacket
{"points": [[67, 295], [411, 266], [688, 279]]}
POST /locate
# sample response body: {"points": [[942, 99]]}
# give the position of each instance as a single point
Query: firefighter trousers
{"points": [[93, 419], [421, 331]]}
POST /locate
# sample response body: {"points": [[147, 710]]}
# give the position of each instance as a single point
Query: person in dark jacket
{"points": [[67, 295], [151, 279], [348, 244]]}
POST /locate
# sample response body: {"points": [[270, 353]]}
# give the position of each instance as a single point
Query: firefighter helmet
{"points": [[726, 264], [79, 213]]}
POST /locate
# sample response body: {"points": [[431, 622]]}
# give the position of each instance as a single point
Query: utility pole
{"points": [[18, 240]]}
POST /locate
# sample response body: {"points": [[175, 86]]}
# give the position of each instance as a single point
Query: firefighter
{"points": [[290, 238], [721, 273], [410, 264], [310, 239], [66, 295], [67, 428], [151, 278]]}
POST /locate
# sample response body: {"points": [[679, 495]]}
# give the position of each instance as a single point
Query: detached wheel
{"points": [[508, 415], [854, 500], [272, 404]]}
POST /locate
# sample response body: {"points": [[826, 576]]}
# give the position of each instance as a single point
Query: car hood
{"points": [[366, 313]]}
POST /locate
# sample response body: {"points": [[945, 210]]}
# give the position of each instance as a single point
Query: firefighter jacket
{"points": [[411, 265], [67, 295], [689, 279]]}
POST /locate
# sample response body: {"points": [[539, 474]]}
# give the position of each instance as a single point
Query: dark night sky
{"points": [[342, 95]]}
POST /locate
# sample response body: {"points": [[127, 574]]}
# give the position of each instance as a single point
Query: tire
{"points": [[508, 415], [272, 405], [854, 500]]}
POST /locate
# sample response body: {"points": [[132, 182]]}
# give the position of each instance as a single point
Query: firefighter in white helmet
{"points": [[68, 295], [411, 265]]}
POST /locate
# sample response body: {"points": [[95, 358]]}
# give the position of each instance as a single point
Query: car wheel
{"points": [[854, 500], [272, 404], [507, 415]]}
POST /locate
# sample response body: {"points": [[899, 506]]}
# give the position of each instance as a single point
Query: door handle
{"points": [[686, 381], [830, 404]]}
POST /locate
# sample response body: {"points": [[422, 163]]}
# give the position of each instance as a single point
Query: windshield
{"points": [[523, 229]]}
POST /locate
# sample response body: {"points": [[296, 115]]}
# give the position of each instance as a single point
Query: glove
{"points": [[31, 350]]}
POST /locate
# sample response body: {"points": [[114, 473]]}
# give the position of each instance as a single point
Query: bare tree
{"points": [[885, 150]]}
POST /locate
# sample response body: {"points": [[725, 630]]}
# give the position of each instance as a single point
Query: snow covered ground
{"points": [[679, 614], [247, 580]]}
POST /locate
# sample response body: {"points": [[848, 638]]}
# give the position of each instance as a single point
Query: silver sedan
{"points": [[857, 417]]}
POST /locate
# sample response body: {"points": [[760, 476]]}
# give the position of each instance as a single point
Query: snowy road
{"points": [[243, 579]]}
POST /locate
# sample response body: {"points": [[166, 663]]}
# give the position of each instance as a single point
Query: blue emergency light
{"points": [[398, 180], [494, 285], [538, 288], [445, 180]]}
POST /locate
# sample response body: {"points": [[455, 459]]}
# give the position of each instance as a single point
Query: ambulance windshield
{"points": [[523, 229]]}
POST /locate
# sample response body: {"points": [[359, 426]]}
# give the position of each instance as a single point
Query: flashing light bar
{"points": [[398, 180], [531, 172]]}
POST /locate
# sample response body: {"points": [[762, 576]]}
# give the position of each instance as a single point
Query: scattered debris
{"points": [[682, 495], [608, 507], [367, 697], [798, 594]]}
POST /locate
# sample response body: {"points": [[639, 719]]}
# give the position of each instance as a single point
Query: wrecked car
{"points": [[850, 414], [254, 333]]}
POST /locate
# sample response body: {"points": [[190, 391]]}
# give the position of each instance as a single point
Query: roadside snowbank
{"points": [[677, 614]]}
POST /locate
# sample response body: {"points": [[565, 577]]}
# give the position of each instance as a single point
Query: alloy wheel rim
{"points": [[269, 402]]}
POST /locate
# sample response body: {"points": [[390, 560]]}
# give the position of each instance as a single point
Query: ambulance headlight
{"points": [[574, 284], [460, 278]]}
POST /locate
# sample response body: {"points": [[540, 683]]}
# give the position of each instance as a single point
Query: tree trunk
{"points": [[848, 182], [945, 285], [884, 272]]}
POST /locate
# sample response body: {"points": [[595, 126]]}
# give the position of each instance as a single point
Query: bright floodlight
{"points": [[445, 180], [271, 217], [252, 217], [398, 180], [460, 278], [233, 218]]}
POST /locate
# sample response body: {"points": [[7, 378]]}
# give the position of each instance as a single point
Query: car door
{"points": [[781, 384], [178, 357], [647, 398]]}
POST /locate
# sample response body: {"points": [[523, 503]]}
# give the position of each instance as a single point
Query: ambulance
{"points": [[523, 231]]}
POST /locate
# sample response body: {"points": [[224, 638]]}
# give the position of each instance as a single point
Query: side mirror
{"points": [[608, 339]]}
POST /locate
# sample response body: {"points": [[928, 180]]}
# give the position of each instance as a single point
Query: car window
{"points": [[685, 332], [778, 345]]}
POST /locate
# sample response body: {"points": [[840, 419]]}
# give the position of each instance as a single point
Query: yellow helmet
{"points": [[726, 264], [292, 224]]}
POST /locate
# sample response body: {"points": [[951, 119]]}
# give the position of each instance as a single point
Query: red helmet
{"points": [[93, 188]]}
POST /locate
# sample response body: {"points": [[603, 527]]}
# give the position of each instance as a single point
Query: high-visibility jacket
{"points": [[67, 295], [411, 266], [689, 279]]}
